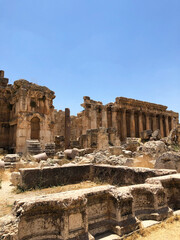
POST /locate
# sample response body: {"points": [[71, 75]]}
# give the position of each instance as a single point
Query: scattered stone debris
{"points": [[103, 143], [168, 160]]}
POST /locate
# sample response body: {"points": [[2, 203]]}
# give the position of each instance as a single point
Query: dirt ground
{"points": [[168, 230], [8, 193]]}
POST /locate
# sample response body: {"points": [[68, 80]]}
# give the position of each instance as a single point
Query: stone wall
{"points": [[5, 107], [54, 176], [128, 116], [81, 214], [26, 112], [114, 122]]}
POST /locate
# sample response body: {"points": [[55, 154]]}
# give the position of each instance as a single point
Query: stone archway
{"points": [[35, 128]]}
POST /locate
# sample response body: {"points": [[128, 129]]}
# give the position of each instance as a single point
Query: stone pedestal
{"points": [[33, 147], [50, 149]]}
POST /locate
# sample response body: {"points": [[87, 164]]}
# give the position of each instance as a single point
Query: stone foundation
{"points": [[115, 175], [82, 214]]}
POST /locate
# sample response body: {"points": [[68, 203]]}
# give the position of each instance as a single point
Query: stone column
{"points": [[124, 127], [154, 122], [93, 117], [161, 125], [104, 117], [167, 125], [140, 123], [132, 124], [67, 128], [172, 123], [148, 127], [86, 121], [114, 118]]}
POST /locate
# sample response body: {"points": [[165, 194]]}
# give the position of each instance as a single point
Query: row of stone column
{"points": [[90, 121]]}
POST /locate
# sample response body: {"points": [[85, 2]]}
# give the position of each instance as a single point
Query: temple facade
{"points": [[128, 116], [26, 112]]}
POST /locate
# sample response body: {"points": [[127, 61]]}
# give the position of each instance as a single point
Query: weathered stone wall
{"points": [[124, 118], [26, 112], [128, 116], [5, 94], [82, 214], [54, 176]]}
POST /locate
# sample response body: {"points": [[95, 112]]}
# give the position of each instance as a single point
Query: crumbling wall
{"points": [[54, 176], [22, 106], [81, 214], [5, 108]]}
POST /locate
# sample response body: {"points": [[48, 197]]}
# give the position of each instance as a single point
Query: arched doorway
{"points": [[35, 128]]}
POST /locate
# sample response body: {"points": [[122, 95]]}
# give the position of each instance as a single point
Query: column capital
{"points": [[114, 109]]}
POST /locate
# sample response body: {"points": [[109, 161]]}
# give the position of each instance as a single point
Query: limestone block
{"points": [[132, 144], [2, 164], [145, 135], [40, 156], [75, 221], [156, 135], [15, 178], [168, 160], [116, 150], [12, 158], [154, 147], [71, 153]]}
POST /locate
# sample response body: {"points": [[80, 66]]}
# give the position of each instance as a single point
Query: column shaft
{"points": [[167, 125], [93, 118], [114, 119], [132, 124], [161, 126], [124, 127], [67, 128], [140, 123], [104, 118], [148, 126], [154, 123]]}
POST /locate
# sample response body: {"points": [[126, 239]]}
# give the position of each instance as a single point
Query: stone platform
{"points": [[84, 214]]}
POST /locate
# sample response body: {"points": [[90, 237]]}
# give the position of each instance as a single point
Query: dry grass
{"points": [[8, 193], [58, 189], [169, 229]]}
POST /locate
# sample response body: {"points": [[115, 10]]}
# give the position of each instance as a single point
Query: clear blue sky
{"points": [[97, 48]]}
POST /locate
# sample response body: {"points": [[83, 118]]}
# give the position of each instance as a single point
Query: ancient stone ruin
{"points": [[27, 112], [102, 144]]}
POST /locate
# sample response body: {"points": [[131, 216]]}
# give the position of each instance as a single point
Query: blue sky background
{"points": [[97, 48]]}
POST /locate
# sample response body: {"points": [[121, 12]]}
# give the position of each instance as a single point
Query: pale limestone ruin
{"points": [[101, 144], [27, 112]]}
